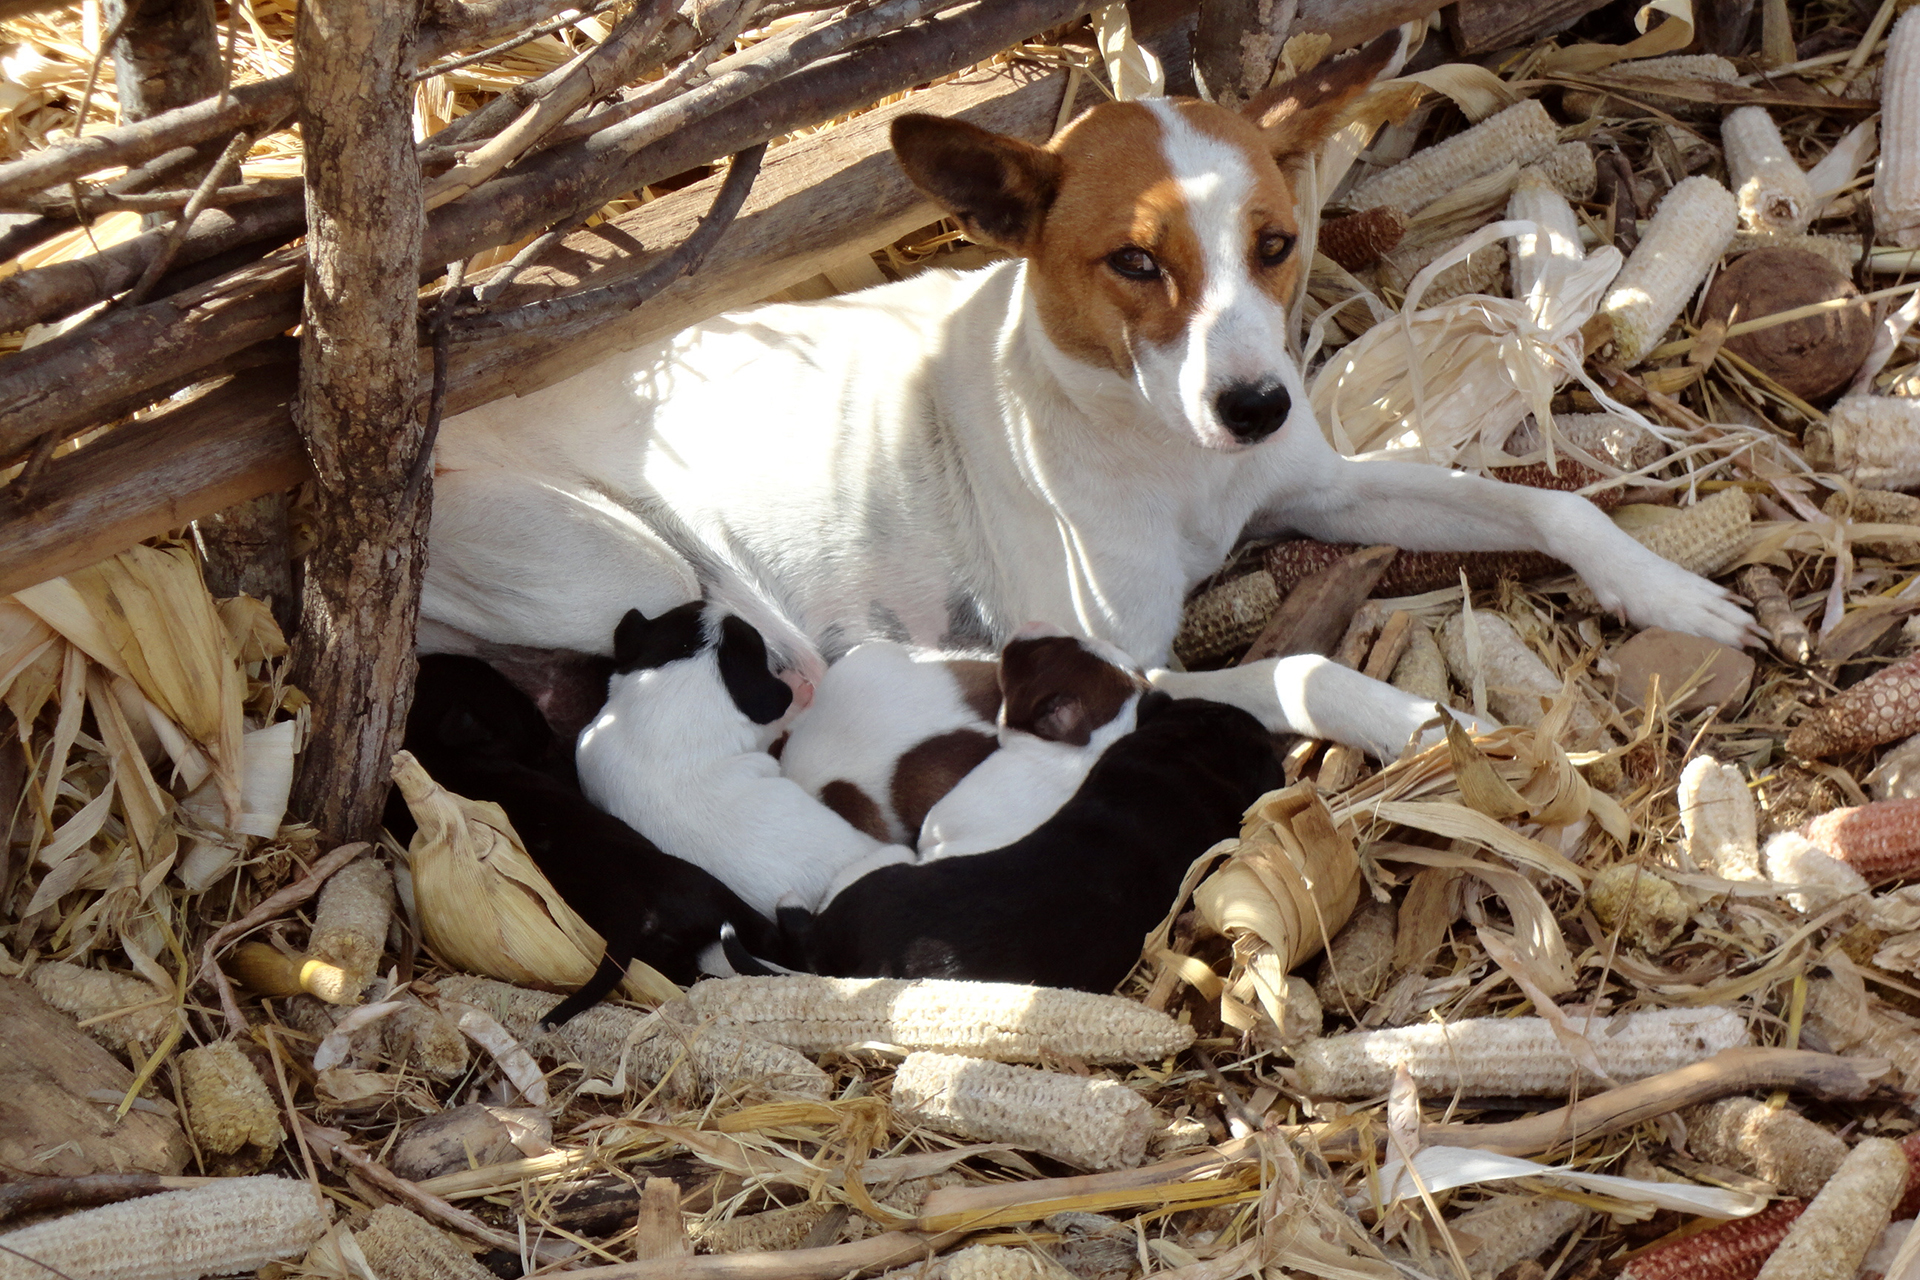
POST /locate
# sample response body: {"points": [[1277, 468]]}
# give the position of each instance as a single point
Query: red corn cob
{"points": [[1359, 239], [1733, 1251], [1410, 572], [1909, 1206], [1880, 840], [1879, 709]]}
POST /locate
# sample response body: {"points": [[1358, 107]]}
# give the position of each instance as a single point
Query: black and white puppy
{"points": [[680, 753], [1068, 904], [479, 736]]}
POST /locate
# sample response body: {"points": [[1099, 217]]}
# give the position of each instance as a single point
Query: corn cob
{"points": [[1422, 670], [1000, 1020], [1360, 957], [1644, 906], [1517, 681], [1835, 252], [1816, 880], [1873, 441], [1896, 178], [228, 1105], [425, 1039], [401, 1245], [1773, 193], [1358, 240], [761, 1232], [997, 1262], [234, 1224], [1521, 134], [265, 971], [1482, 271], [88, 994], [1771, 606], [1513, 1229], [1876, 506], [1717, 813], [1896, 774], [1731, 1251], [1514, 1057], [1093, 1123], [1880, 840], [1569, 168], [1884, 706], [1781, 1147], [690, 1059], [1681, 67], [1850, 1020], [350, 920], [1225, 619], [1842, 1222], [1688, 233], [1602, 436], [1705, 537], [1409, 572], [1534, 199]]}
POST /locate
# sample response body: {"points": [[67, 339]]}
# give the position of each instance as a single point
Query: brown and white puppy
{"points": [[1064, 702], [890, 731]]}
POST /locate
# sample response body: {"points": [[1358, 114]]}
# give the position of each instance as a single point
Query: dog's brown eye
{"points": [[1134, 263], [1273, 248]]}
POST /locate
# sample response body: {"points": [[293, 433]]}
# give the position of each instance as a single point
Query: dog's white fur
{"points": [[925, 461], [674, 758], [872, 706]]}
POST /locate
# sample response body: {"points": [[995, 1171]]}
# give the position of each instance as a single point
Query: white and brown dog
{"points": [[1079, 434]]}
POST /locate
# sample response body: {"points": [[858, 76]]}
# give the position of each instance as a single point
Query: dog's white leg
{"points": [[522, 561], [1427, 508], [1315, 696]]}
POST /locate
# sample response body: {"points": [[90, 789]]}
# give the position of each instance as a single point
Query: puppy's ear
{"points": [[1062, 718], [998, 188], [629, 640], [761, 696], [1300, 114]]}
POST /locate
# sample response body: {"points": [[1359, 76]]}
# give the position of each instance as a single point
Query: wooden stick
{"points": [[1315, 613], [37, 1195], [237, 441], [1728, 1072]]}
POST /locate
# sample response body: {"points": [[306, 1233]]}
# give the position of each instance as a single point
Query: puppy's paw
{"points": [[1652, 592]]}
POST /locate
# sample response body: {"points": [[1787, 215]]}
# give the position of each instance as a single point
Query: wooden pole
{"points": [[358, 408]]}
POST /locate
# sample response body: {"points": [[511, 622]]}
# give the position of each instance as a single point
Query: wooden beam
{"points": [[817, 200]]}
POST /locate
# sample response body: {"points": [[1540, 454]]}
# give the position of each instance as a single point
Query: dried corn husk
{"points": [[484, 906]]}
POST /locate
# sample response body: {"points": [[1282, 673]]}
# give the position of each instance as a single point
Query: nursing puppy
{"points": [[1080, 432], [1068, 905], [479, 736], [890, 731], [1064, 702], [680, 754]]}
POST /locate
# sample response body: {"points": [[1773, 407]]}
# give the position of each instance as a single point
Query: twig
{"points": [[336, 1142], [559, 313], [92, 203], [36, 1195], [93, 72], [513, 42], [163, 256], [595, 72]]}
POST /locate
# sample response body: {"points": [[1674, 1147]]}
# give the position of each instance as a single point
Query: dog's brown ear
{"points": [[1298, 115], [999, 188]]}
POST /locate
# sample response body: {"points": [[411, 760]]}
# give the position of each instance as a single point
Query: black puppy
{"points": [[1066, 905], [479, 736]]}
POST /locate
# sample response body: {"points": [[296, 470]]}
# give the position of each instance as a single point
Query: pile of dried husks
{"points": [[1626, 987]]}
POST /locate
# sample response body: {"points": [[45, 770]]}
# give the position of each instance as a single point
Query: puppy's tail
{"points": [[744, 962]]}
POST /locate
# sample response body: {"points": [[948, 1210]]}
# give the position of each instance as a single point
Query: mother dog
{"points": [[1078, 434]]}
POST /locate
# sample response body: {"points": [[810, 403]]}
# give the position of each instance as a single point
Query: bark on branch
{"points": [[358, 407]]}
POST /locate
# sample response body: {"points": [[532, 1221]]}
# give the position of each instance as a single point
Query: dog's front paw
{"points": [[1651, 592]]}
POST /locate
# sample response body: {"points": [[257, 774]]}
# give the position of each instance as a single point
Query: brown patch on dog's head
{"points": [[1055, 687], [928, 770], [979, 681], [857, 807], [1100, 214]]}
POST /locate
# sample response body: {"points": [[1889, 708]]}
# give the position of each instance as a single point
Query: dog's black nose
{"points": [[1253, 412]]}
